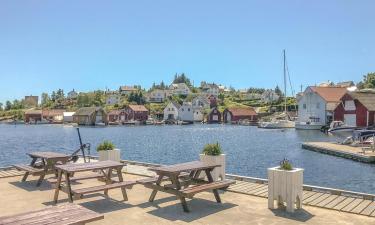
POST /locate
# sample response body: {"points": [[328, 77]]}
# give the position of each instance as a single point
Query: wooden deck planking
{"points": [[327, 200], [320, 199], [352, 205], [359, 208], [368, 210], [344, 203], [255, 189], [312, 198], [307, 194]]}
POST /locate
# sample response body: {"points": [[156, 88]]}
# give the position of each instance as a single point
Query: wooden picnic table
{"points": [[67, 214], [105, 167], [48, 161], [181, 188]]}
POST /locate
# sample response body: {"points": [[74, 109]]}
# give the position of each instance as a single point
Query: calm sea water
{"points": [[250, 151]]}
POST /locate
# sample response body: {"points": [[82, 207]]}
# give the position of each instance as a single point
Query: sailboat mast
{"points": [[284, 83]]}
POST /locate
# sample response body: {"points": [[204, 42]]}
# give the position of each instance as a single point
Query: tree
{"points": [[53, 96], [278, 91], [60, 94], [8, 105], [45, 99], [369, 80], [181, 79], [1, 106]]}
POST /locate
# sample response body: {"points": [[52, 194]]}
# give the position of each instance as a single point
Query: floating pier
{"points": [[340, 150]]}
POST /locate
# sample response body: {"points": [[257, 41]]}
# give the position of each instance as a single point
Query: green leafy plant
{"points": [[212, 149], [285, 164], [105, 146]]}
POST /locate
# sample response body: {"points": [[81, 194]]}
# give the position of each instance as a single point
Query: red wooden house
{"points": [[214, 116], [231, 115], [116, 116], [356, 109], [136, 112]]}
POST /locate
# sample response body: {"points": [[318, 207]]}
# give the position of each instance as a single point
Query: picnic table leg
{"points": [[154, 192], [68, 187], [27, 173], [107, 179], [45, 165], [175, 181], [210, 179], [121, 179], [58, 185]]}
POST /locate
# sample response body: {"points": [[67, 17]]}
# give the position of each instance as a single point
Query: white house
{"points": [[269, 96], [198, 114], [317, 104], [157, 95], [185, 112], [201, 102], [210, 89], [112, 99], [68, 117], [179, 89], [252, 96], [72, 94], [171, 111]]}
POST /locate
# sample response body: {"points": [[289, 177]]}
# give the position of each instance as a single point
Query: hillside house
{"points": [[210, 89], [179, 89], [157, 95], [90, 116], [112, 99], [234, 115], [125, 90], [136, 112], [171, 111], [269, 96], [72, 94], [201, 102]]}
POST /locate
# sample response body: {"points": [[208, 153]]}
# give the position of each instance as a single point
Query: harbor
{"points": [[341, 150]]}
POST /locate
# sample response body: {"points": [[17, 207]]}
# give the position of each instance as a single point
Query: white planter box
{"points": [[113, 155], [285, 186], [218, 172]]}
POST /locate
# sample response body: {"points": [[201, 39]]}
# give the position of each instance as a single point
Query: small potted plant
{"points": [[285, 185], [107, 151], [212, 153]]}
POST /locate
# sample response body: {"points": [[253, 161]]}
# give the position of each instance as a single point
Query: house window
{"points": [[182, 110], [318, 105], [304, 106], [189, 109]]}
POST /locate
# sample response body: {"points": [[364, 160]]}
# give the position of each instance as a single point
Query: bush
{"points": [[286, 165], [105, 146], [212, 149]]}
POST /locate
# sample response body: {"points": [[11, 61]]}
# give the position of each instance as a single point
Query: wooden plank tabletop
{"points": [[79, 167], [62, 214], [48, 155], [184, 167]]}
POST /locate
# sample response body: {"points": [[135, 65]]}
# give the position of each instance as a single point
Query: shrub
{"points": [[286, 165], [212, 149], [105, 146]]}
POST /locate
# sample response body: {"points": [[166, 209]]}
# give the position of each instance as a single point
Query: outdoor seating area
{"points": [[236, 208]]}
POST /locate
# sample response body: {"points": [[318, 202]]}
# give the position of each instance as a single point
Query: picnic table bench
{"points": [[67, 214], [47, 162], [183, 189], [105, 167]]}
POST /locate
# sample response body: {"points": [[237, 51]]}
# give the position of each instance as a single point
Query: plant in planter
{"points": [[212, 153], [108, 151], [285, 184]]}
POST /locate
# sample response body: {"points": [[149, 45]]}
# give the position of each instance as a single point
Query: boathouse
{"points": [[116, 116], [356, 109], [90, 116], [136, 112], [234, 115], [53, 115], [186, 112], [171, 111], [33, 116], [214, 116]]}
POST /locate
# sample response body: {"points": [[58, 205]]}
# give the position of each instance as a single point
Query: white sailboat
{"points": [[280, 123]]}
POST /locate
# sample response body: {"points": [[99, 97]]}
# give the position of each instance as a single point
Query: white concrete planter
{"points": [[285, 186], [218, 172], [113, 155]]}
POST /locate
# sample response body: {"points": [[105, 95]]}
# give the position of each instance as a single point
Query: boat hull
{"points": [[308, 126]]}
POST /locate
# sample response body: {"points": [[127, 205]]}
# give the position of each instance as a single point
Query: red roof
{"points": [[330, 94], [242, 111], [138, 108]]}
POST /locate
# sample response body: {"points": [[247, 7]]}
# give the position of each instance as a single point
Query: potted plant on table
{"points": [[212, 153], [285, 184], [108, 151]]}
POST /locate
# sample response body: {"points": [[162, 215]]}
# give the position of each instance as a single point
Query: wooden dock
{"points": [[344, 151]]}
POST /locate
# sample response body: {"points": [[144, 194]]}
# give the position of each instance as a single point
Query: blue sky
{"points": [[87, 45]]}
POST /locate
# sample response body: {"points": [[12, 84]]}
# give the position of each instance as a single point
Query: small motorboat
{"points": [[340, 128], [277, 124]]}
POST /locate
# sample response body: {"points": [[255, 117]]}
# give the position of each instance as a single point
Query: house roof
{"points": [[33, 111], [331, 106], [365, 98], [138, 108], [86, 111], [176, 104], [330, 94], [248, 111]]}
